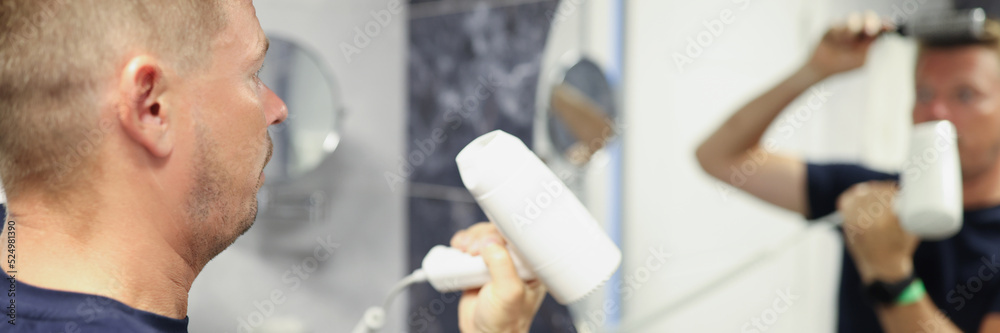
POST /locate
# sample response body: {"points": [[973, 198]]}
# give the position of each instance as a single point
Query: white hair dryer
{"points": [[551, 235], [929, 201]]}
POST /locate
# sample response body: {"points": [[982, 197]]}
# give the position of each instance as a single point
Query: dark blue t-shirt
{"points": [[50, 311], [961, 274]]}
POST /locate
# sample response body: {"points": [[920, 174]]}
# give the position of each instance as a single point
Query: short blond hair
{"points": [[989, 39], [55, 55]]}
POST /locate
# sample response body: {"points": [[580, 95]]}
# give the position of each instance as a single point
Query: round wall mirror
{"points": [[312, 130], [581, 111]]}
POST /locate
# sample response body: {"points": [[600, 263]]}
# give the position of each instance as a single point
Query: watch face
{"points": [[887, 293]]}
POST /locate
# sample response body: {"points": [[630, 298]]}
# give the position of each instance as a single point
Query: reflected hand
{"points": [[845, 46], [504, 305], [881, 248]]}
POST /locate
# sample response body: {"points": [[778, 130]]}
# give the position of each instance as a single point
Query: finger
{"points": [[872, 24], [460, 240], [848, 197], [477, 247], [535, 295], [889, 25], [476, 230], [504, 278], [839, 33], [884, 185], [535, 289], [464, 238], [467, 310], [855, 24], [483, 235]]}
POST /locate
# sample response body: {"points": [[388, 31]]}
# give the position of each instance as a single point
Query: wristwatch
{"points": [[903, 292]]}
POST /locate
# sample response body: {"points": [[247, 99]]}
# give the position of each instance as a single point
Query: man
{"points": [[890, 280], [134, 141]]}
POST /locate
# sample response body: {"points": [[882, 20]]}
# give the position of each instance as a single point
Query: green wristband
{"points": [[912, 294]]}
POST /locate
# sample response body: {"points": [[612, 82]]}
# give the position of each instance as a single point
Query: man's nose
{"points": [[939, 110], [275, 108], [936, 109]]}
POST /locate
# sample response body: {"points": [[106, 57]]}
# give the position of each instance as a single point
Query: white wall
{"points": [[707, 227]]}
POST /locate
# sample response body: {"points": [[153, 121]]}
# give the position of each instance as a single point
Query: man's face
{"points": [[231, 146], [962, 85]]}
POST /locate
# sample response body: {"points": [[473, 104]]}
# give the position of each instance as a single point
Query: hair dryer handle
{"points": [[449, 269]]}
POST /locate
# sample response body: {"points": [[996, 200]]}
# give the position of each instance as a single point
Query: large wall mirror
{"points": [[575, 124]]}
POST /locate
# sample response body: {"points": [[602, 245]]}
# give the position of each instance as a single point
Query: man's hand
{"points": [[504, 305], [845, 46], [881, 249]]}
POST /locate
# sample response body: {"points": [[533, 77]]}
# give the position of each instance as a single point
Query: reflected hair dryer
{"points": [[929, 201]]}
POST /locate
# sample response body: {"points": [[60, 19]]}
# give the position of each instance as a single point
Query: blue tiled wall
{"points": [[473, 67]]}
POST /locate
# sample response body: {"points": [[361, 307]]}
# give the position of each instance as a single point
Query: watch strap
{"points": [[891, 293], [912, 294]]}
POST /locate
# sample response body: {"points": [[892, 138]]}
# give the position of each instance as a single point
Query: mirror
{"points": [[575, 120], [580, 113], [312, 130]]}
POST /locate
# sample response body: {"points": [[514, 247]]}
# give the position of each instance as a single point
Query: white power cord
{"points": [[374, 318], [767, 253]]}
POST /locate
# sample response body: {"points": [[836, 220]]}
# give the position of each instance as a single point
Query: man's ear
{"points": [[141, 111]]}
